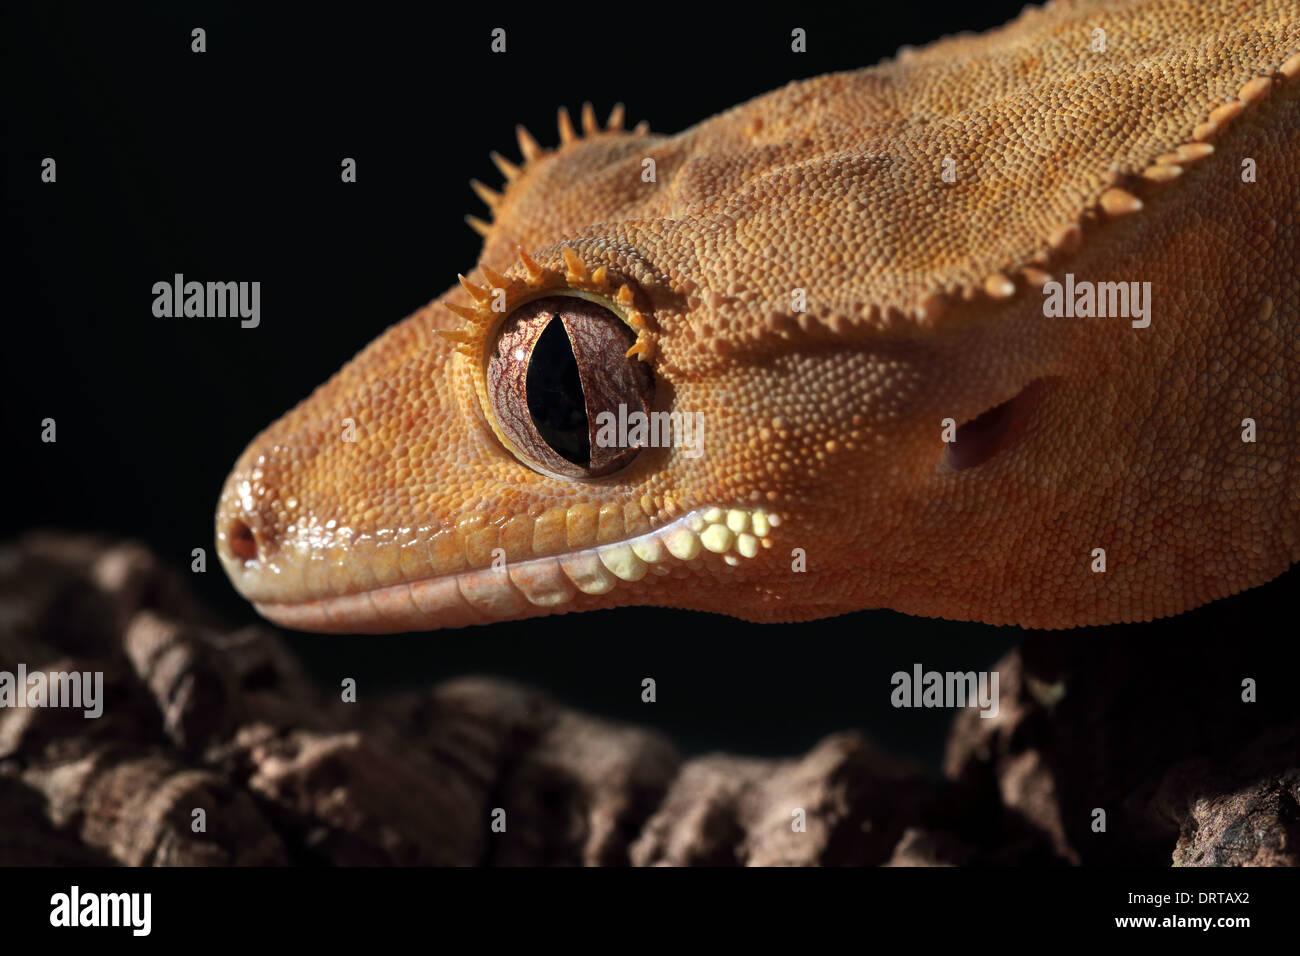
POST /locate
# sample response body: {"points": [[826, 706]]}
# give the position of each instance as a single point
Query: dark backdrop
{"points": [[226, 164]]}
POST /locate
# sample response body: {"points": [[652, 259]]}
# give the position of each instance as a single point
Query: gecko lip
{"points": [[531, 587]]}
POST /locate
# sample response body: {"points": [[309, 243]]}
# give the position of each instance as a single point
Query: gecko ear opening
{"points": [[994, 430]]}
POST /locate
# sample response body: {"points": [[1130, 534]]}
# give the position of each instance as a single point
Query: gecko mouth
{"points": [[535, 586]]}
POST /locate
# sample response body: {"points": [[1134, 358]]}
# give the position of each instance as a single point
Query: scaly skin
{"points": [[923, 304]]}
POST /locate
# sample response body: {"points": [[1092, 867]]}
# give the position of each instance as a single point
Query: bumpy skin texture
{"points": [[923, 304]]}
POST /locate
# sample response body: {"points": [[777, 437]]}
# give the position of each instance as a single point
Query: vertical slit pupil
{"points": [[554, 391]]}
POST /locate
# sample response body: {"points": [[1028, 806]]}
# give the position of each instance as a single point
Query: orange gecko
{"points": [[816, 354]]}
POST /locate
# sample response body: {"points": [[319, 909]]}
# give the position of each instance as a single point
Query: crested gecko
{"points": [[1003, 329]]}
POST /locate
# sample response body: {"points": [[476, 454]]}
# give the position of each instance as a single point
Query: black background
{"points": [[225, 165]]}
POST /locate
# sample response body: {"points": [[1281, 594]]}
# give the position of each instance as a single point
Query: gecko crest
{"points": [[532, 152]]}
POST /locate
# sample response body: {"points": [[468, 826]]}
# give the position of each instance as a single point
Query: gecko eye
{"points": [[558, 363]]}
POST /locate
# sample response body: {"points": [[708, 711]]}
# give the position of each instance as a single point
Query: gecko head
{"points": [[512, 450], [652, 411], [779, 367], [582, 431]]}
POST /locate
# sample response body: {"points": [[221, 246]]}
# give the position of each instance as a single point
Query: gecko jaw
{"points": [[531, 587]]}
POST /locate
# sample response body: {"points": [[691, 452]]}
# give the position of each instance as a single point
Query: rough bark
{"points": [[1179, 780]]}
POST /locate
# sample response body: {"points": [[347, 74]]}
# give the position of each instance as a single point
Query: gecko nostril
{"points": [[240, 538]]}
